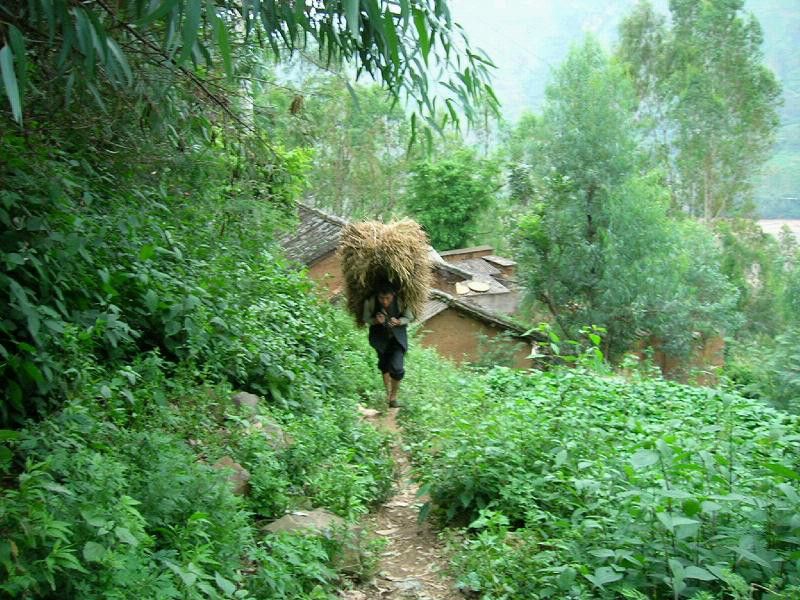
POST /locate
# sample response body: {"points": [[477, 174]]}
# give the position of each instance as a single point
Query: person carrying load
{"points": [[388, 318]]}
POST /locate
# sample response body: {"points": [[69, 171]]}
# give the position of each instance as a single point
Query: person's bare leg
{"points": [[387, 383], [395, 387]]}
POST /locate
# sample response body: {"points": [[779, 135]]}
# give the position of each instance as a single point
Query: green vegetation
{"points": [[142, 286], [595, 238], [709, 103], [449, 196], [573, 484], [132, 315]]}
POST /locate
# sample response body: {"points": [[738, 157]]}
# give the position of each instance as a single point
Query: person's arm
{"points": [[405, 317]]}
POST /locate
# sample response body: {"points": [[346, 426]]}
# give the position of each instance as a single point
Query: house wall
{"points": [[454, 256], [707, 355], [327, 272], [455, 336]]}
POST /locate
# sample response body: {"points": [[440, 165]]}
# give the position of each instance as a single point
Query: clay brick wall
{"points": [[327, 272], [455, 336]]}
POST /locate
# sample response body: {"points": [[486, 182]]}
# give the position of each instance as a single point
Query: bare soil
{"points": [[413, 564]]}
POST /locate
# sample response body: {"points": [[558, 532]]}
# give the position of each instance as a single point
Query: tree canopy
{"points": [[54, 47], [597, 243], [709, 101]]}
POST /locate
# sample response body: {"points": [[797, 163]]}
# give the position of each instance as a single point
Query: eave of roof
{"points": [[317, 235], [486, 316]]}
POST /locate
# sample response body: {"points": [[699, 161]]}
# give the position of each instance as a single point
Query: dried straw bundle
{"points": [[371, 252]]}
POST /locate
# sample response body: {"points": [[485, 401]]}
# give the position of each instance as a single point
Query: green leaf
{"points": [[17, 41], [644, 458], [32, 371], [423, 512], [124, 535], [391, 37], [424, 489], [404, 12], [604, 575], [119, 56], [8, 434], [783, 471], [693, 572], [147, 252], [672, 521], [191, 25], [93, 552], [422, 31], [566, 578], [10, 83], [351, 13], [223, 41], [226, 586], [151, 301], [161, 10]]}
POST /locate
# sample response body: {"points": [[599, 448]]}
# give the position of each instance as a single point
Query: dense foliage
{"points": [[597, 242], [450, 195], [135, 302], [570, 484], [707, 99], [153, 50]]}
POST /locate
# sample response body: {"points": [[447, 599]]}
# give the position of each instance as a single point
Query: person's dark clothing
{"points": [[390, 343], [391, 360]]}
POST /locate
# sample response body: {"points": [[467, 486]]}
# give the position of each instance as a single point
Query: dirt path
{"points": [[413, 563]]}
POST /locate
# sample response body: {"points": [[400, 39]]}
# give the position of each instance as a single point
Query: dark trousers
{"points": [[391, 360]]}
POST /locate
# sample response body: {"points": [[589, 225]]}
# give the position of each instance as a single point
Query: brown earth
{"points": [[413, 564]]}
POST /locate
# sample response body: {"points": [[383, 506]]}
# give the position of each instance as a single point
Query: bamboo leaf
{"points": [[222, 38], [404, 12], [191, 25], [351, 10], [391, 38], [10, 83], [17, 42], [160, 11], [119, 56], [422, 31]]}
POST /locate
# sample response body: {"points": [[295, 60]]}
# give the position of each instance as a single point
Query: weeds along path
{"points": [[413, 564]]}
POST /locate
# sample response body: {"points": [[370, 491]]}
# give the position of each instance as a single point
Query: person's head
{"points": [[386, 294]]}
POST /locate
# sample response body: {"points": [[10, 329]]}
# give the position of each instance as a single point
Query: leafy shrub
{"points": [[118, 511], [581, 485]]}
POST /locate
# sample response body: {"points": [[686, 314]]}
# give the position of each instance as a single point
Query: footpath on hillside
{"points": [[413, 563]]}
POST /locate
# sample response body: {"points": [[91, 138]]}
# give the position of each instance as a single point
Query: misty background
{"points": [[527, 39]]}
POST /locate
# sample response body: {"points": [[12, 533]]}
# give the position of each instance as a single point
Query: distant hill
{"points": [[528, 38]]}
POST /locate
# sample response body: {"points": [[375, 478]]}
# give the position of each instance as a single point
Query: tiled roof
{"points": [[474, 249], [478, 266], [432, 308], [500, 261], [316, 235]]}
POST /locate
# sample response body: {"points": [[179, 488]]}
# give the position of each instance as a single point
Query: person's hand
{"points": [[380, 318], [394, 322]]}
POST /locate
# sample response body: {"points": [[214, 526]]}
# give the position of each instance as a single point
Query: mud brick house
{"points": [[471, 296]]}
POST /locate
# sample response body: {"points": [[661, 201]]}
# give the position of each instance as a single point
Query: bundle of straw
{"points": [[371, 252]]}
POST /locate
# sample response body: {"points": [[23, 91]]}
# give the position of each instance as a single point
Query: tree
{"points": [[705, 96], [598, 245], [145, 48], [359, 138], [448, 195]]}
